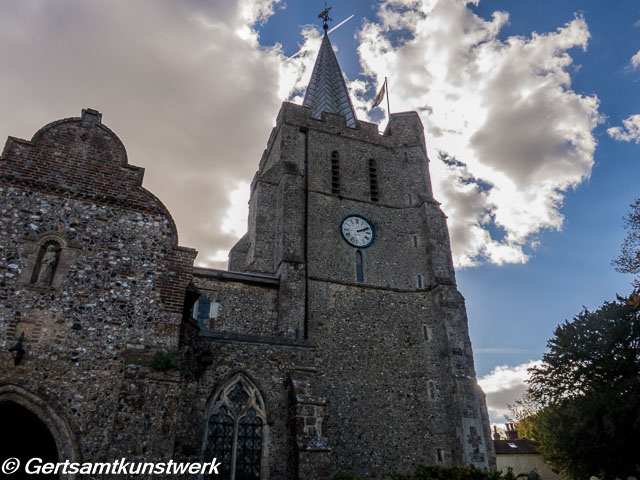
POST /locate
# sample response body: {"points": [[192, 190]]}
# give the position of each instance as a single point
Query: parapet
{"points": [[79, 157], [404, 129]]}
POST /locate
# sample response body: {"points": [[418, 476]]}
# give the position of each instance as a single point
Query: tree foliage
{"points": [[589, 389], [524, 415], [629, 259]]}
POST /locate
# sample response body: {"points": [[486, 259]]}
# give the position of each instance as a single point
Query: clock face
{"points": [[357, 231]]}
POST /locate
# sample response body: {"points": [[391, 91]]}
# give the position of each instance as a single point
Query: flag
{"points": [[380, 95]]}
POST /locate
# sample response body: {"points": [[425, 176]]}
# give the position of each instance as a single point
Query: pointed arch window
{"points": [[235, 429], [335, 173]]}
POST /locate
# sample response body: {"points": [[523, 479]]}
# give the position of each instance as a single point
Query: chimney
{"points": [[90, 115], [512, 433], [496, 434]]}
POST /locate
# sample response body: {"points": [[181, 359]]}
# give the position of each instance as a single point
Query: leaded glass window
{"points": [[220, 445], [249, 447], [235, 429]]}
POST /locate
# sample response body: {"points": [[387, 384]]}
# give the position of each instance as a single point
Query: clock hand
{"points": [[362, 230]]}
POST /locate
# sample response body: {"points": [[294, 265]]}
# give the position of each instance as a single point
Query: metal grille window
{"points": [[335, 173], [373, 180], [235, 430]]}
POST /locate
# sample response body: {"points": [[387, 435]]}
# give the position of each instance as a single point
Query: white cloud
{"points": [[503, 386], [503, 108], [501, 350], [193, 96], [635, 60], [185, 85], [630, 132], [234, 220]]}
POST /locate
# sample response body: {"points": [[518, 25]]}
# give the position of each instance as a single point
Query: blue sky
{"points": [[513, 309], [530, 98]]}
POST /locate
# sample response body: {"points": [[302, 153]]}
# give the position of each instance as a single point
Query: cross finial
{"points": [[324, 15]]}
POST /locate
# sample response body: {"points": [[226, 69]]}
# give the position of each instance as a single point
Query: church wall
{"points": [[388, 388], [269, 364], [85, 340], [399, 230], [240, 307], [471, 417], [398, 175], [260, 256], [245, 338]]}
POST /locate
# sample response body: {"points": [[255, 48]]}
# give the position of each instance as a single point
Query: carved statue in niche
{"points": [[48, 258], [47, 266]]}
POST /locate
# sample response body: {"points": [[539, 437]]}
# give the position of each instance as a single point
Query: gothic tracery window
{"points": [[234, 433]]}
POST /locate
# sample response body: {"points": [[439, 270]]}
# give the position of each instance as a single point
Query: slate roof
{"points": [[519, 445], [327, 90]]}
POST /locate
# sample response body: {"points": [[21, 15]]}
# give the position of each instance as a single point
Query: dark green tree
{"points": [[588, 388], [629, 259]]}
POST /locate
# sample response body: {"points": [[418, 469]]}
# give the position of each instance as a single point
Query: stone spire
{"points": [[327, 90]]}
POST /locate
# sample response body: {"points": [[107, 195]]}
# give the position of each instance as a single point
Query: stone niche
{"points": [[48, 258]]}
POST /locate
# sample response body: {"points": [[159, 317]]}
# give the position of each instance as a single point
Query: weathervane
{"points": [[324, 15]]}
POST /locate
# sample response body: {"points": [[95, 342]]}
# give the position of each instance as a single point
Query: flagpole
{"points": [[386, 85]]}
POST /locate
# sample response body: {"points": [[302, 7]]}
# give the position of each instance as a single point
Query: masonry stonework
{"points": [[307, 358]]}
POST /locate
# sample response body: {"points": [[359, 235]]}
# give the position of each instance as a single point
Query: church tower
{"points": [[345, 218]]}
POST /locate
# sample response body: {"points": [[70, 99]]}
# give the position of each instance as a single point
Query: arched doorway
{"points": [[29, 423], [25, 436]]}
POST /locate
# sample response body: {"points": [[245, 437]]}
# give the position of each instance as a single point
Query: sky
{"points": [[531, 114]]}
